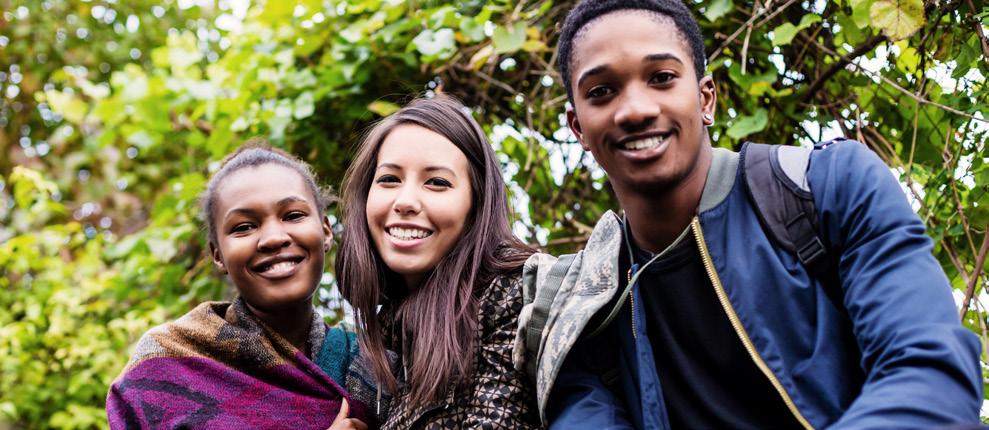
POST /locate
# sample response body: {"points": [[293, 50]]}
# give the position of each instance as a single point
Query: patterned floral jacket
{"points": [[498, 396]]}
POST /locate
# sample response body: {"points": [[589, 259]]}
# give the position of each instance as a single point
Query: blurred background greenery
{"points": [[113, 113]]}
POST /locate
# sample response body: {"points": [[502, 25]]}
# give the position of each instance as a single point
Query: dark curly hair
{"points": [[589, 10]]}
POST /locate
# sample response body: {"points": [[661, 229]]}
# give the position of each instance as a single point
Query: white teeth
{"points": [[647, 143], [408, 233], [280, 266]]}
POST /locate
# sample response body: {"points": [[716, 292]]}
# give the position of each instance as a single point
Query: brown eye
{"points": [[439, 182], [384, 179], [599, 92], [662, 78], [294, 216], [242, 228]]}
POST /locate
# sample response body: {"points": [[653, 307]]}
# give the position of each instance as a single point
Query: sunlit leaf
{"points": [[509, 39], [897, 18], [747, 125], [717, 9], [382, 108], [439, 43]]}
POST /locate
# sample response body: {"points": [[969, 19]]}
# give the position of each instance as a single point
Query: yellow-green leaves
{"points": [[785, 33], [509, 39], [747, 125], [717, 8], [438, 44], [382, 107], [69, 105], [860, 12], [898, 19]]}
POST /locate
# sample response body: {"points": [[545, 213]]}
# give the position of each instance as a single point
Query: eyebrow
{"points": [[247, 211], [597, 70], [428, 168]]}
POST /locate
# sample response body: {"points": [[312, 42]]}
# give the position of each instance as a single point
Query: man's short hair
{"points": [[588, 10]]}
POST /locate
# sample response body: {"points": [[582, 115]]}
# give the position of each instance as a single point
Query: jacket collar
{"points": [[605, 243], [720, 178]]}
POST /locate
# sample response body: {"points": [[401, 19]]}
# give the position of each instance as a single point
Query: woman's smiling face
{"points": [[271, 239], [419, 201]]}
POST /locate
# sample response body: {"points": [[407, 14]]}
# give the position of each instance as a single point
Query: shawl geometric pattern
{"points": [[218, 366]]}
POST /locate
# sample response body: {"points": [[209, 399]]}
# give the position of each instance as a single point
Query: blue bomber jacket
{"points": [[891, 354]]}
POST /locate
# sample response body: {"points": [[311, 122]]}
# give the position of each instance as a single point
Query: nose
{"points": [[273, 237], [407, 200], [637, 110]]}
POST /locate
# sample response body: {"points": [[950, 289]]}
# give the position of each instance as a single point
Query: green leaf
{"points": [[382, 108], [68, 105], [784, 34], [275, 10], [439, 43], [507, 40], [956, 230], [472, 30], [897, 18], [908, 60], [717, 9], [860, 12], [850, 33], [304, 105], [744, 126]]}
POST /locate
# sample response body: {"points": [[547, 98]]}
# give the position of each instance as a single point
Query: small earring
{"points": [[708, 119]]}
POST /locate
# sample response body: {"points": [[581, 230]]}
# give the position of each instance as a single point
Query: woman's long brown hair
{"points": [[441, 315]]}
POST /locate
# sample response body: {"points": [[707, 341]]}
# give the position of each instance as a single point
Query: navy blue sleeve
{"points": [[922, 366], [580, 400]]}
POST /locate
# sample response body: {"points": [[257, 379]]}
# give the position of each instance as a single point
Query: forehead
{"points": [[267, 183], [627, 32], [413, 145]]}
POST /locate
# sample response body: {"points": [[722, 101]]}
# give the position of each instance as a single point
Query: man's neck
{"points": [[658, 217], [292, 324]]}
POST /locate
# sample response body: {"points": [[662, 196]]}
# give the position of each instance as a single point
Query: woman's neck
{"points": [[292, 323]]}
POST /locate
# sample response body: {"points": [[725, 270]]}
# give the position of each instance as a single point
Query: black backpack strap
{"points": [[540, 310], [776, 180]]}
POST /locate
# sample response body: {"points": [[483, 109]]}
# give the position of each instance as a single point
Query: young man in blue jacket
{"points": [[683, 313]]}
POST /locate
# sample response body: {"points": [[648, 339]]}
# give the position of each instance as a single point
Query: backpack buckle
{"points": [[811, 252]]}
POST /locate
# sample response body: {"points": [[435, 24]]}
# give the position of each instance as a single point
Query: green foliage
{"points": [[110, 123]]}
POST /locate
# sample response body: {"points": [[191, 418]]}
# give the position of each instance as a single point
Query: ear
{"points": [[214, 251], [327, 234], [709, 95], [574, 125]]}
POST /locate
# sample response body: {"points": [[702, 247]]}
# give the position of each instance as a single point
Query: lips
{"points": [[642, 142], [278, 266], [644, 147], [408, 233]]}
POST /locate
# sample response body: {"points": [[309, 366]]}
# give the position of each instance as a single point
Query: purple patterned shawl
{"points": [[220, 367]]}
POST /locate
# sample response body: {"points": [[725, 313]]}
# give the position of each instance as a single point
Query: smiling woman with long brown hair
{"points": [[428, 240]]}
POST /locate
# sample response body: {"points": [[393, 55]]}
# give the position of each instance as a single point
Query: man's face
{"points": [[638, 106]]}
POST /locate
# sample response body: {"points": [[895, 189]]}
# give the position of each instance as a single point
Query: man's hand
{"points": [[343, 423]]}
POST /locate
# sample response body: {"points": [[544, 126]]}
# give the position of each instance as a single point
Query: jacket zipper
{"points": [[631, 300], [737, 324]]}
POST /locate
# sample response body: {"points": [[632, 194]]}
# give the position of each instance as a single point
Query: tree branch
{"points": [[747, 25], [973, 280], [899, 88], [865, 47], [978, 30]]}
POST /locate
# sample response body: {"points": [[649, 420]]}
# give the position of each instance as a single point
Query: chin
{"points": [[280, 300]]}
